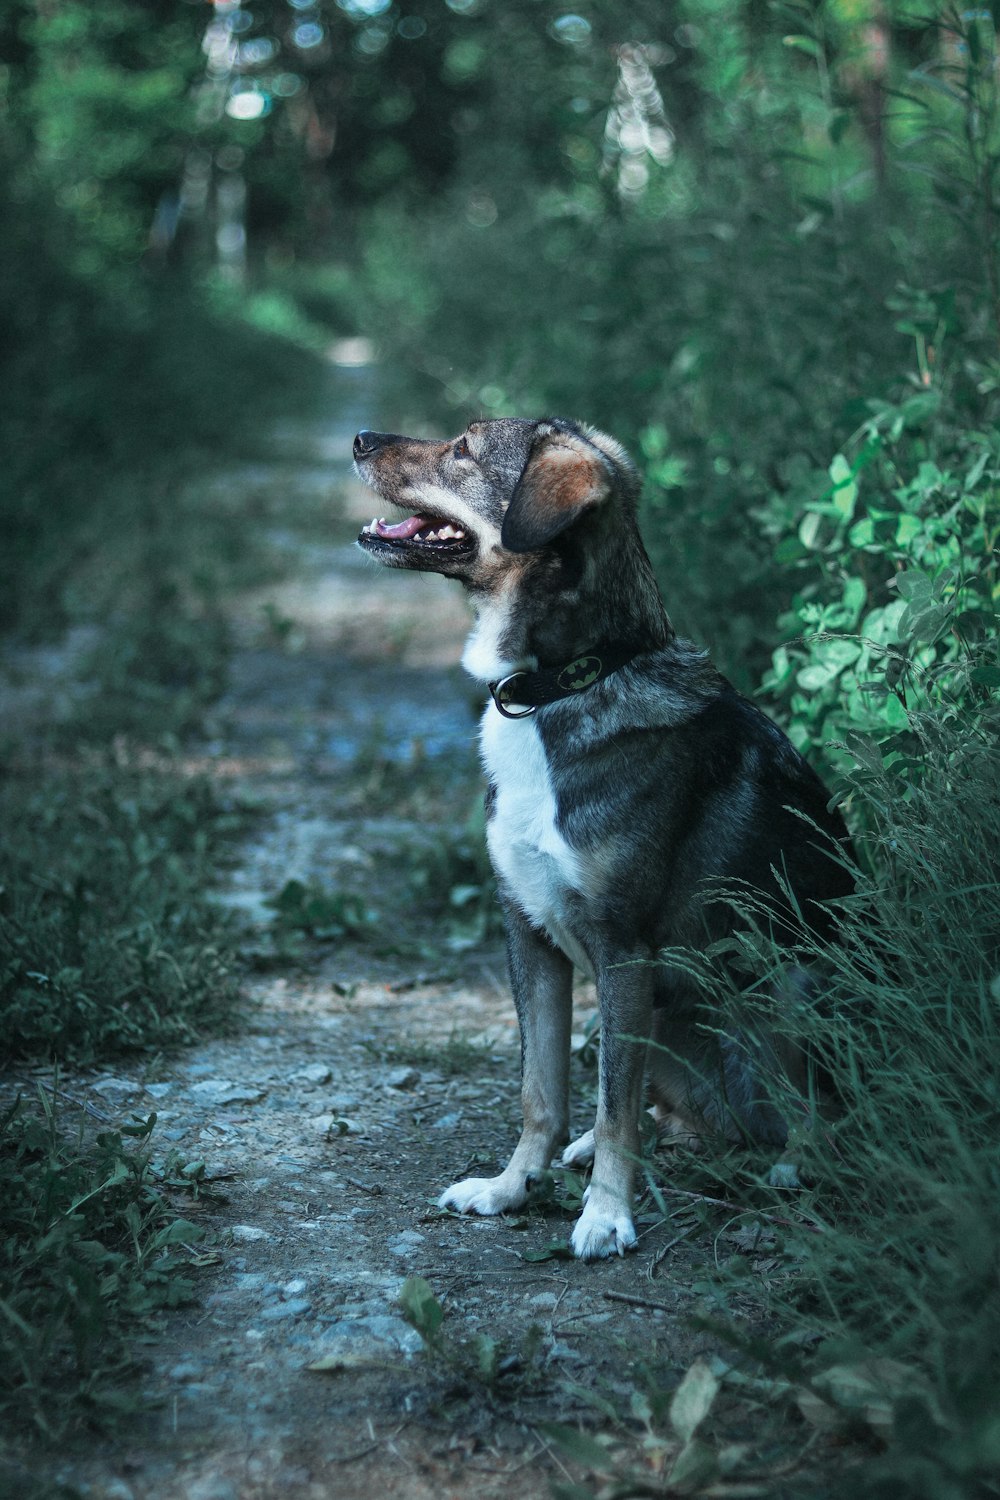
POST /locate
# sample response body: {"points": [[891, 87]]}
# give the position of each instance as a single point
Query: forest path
{"points": [[372, 1072]]}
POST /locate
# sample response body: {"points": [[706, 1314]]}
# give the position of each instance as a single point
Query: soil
{"points": [[371, 1072]]}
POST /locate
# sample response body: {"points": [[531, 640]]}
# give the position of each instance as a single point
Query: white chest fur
{"points": [[543, 874]]}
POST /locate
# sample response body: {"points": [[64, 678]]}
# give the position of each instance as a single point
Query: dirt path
{"points": [[372, 1072]]}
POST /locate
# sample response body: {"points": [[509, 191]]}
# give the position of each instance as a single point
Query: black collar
{"points": [[522, 693]]}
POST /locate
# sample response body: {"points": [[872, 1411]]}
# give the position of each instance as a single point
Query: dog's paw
{"points": [[579, 1153], [785, 1174], [483, 1195], [598, 1234]]}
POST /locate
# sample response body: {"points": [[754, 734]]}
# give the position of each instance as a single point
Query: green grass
{"points": [[907, 1181], [864, 1311]]}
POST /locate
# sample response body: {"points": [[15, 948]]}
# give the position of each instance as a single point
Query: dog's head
{"points": [[504, 488]]}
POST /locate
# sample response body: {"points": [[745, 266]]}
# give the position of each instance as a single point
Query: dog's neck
{"points": [[560, 604]]}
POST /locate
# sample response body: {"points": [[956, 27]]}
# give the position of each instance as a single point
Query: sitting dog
{"points": [[626, 776]]}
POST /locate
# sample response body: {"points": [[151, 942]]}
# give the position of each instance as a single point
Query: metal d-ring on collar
{"points": [[522, 693], [499, 693]]}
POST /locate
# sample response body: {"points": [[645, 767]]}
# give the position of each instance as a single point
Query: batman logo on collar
{"points": [[579, 674]]}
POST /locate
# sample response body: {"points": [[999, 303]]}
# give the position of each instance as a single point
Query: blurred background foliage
{"points": [[755, 240]]}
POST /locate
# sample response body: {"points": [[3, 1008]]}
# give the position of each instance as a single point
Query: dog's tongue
{"points": [[402, 530]]}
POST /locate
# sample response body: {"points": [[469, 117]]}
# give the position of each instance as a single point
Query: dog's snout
{"points": [[366, 443]]}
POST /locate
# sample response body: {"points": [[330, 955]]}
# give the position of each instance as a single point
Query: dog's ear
{"points": [[564, 476]]}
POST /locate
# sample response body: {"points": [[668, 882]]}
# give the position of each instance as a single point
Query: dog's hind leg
{"points": [[579, 1153], [542, 981], [625, 990]]}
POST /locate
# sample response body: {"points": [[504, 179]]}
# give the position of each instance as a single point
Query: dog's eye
{"points": [[461, 449]]}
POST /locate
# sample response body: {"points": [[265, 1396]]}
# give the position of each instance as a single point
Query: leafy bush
{"points": [[896, 549]]}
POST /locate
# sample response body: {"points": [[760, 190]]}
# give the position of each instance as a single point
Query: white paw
{"points": [[599, 1233], [579, 1153], [484, 1195], [784, 1174]]}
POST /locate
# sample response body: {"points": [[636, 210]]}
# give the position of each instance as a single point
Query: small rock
{"points": [[211, 1487], [543, 1300], [447, 1122], [294, 1288], [223, 1091], [187, 1369], [117, 1489], [241, 1233], [158, 1090], [315, 1073], [334, 1125], [297, 1307], [342, 1104], [405, 1243], [248, 1281], [403, 1078], [564, 1353], [116, 1088], [369, 1336]]}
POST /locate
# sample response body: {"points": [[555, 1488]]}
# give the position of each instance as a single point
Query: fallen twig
{"points": [[665, 1250], [635, 1301]]}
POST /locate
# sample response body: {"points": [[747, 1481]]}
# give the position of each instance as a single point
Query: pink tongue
{"points": [[402, 530]]}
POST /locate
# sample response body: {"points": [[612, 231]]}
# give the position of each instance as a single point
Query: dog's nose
{"points": [[366, 443]]}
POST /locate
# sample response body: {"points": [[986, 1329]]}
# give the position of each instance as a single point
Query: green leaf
{"points": [[809, 529], [862, 533], [845, 486], [420, 1307], [557, 1250], [914, 586], [487, 1357], [693, 1467], [985, 676], [693, 1398], [578, 1446], [804, 44], [907, 528]]}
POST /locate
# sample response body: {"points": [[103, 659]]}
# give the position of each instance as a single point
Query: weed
{"points": [[447, 883], [91, 1246], [451, 880], [107, 939], [325, 915], [479, 1359]]}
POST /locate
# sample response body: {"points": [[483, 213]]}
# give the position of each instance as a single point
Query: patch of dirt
{"points": [[371, 1074]]}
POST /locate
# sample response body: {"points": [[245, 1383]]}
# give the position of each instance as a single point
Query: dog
{"points": [[626, 777]]}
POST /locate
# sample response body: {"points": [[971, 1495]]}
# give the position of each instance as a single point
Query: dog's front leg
{"points": [[625, 992], [542, 981]]}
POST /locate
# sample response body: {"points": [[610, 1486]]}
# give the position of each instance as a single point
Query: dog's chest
{"points": [[547, 878]]}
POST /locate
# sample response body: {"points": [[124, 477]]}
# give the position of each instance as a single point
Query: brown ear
{"points": [[564, 476]]}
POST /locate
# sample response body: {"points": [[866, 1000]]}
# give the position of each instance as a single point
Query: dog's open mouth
{"points": [[417, 531]]}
